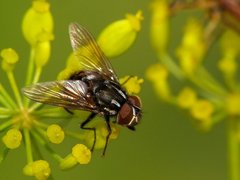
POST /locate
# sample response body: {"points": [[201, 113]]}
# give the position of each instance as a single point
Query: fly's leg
{"points": [[108, 135], [124, 82], [84, 123], [70, 112]]}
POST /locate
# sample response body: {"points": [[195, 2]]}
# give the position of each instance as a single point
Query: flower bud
{"points": [[159, 25], [186, 98], [158, 74], [40, 169], [202, 110], [120, 35], [230, 48], [233, 104], [10, 58], [55, 134], [81, 153], [42, 53], [192, 48], [132, 84], [12, 139], [37, 22], [73, 66]]}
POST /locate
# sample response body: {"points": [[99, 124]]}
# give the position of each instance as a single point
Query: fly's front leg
{"points": [[84, 123], [108, 135]]}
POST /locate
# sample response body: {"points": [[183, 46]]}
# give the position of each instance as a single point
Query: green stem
{"points": [[37, 75], [40, 124], [5, 125], [15, 88], [5, 111], [35, 106], [75, 135], [28, 145], [30, 72], [41, 140], [6, 99], [233, 150], [30, 67], [3, 155], [210, 81], [171, 65]]}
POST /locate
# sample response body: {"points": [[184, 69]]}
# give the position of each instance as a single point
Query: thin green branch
{"points": [[4, 154], [37, 75], [28, 145], [35, 106], [210, 81], [171, 65], [5, 111], [30, 67], [6, 99], [75, 135], [41, 140], [5, 125], [233, 150], [15, 88]]}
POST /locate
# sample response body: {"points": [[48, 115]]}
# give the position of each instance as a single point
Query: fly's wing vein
{"points": [[89, 53], [71, 94]]}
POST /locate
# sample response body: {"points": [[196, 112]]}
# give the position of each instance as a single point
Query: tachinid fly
{"points": [[94, 88]]}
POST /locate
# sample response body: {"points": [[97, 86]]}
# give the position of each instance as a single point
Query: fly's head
{"points": [[130, 112]]}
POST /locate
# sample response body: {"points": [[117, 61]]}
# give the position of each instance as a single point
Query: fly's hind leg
{"points": [[70, 112], [108, 135], [84, 123]]}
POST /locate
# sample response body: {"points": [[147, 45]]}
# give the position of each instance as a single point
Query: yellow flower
{"points": [[233, 104], [73, 66], [230, 48], [192, 48], [38, 23], [120, 35], [12, 138], [42, 53], [202, 110], [159, 25], [40, 169], [9, 59], [55, 134], [228, 65], [230, 42], [158, 74], [186, 98], [132, 84], [81, 153]]}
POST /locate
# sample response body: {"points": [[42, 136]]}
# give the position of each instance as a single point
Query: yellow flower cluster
{"points": [[208, 101]]}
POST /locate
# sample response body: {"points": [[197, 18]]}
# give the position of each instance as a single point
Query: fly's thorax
{"points": [[130, 113], [109, 96]]}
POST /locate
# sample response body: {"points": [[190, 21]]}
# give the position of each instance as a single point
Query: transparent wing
{"points": [[68, 94], [88, 52]]}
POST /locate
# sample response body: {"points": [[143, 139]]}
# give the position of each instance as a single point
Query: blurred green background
{"points": [[166, 146]]}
